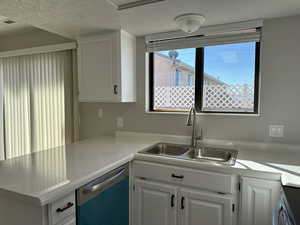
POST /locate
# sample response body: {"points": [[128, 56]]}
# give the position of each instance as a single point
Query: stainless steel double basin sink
{"points": [[202, 153]]}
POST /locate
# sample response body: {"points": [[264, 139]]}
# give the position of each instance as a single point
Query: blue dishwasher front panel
{"points": [[110, 207]]}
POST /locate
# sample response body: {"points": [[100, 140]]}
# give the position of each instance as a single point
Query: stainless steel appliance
{"points": [[105, 201]]}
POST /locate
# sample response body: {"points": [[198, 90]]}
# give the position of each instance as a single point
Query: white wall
{"points": [[280, 93], [30, 39]]}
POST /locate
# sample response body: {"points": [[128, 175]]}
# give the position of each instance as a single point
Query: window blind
{"points": [[16, 95], [204, 40], [34, 101]]}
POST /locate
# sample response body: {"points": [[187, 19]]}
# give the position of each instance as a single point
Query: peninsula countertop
{"points": [[47, 175]]}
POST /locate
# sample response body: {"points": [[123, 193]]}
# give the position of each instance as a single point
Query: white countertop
{"points": [[50, 174]]}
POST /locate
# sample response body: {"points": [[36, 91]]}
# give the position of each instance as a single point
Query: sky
{"points": [[231, 63]]}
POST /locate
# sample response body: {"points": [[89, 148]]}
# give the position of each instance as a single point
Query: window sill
{"points": [[204, 114]]}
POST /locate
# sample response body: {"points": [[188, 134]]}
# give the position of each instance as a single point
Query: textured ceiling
{"points": [[72, 18], [13, 28]]}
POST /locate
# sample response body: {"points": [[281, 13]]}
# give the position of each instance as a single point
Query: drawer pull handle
{"points": [[67, 206], [182, 203], [177, 176], [172, 201]]}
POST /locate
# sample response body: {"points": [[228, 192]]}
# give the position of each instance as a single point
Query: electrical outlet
{"points": [[100, 113], [120, 122], [276, 131]]}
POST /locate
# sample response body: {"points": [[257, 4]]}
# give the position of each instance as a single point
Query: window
{"points": [[177, 81], [168, 68], [220, 78], [190, 80]]}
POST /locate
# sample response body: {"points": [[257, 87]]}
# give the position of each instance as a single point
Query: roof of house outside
{"points": [[185, 66]]}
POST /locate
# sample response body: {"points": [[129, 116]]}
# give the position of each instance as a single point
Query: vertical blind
{"points": [[34, 101]]}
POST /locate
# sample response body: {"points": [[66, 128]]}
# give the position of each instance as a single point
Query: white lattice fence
{"points": [[228, 97], [181, 97], [215, 97]]}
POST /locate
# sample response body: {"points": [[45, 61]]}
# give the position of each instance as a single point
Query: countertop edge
{"points": [[45, 199]]}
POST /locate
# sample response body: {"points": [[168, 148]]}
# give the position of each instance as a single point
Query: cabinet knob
{"points": [[182, 203], [115, 89], [172, 200]]}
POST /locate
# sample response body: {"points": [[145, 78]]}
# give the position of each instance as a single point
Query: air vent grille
{"points": [[8, 21], [127, 4]]}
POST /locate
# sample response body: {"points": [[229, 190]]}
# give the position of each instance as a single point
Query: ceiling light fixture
{"points": [[189, 22]]}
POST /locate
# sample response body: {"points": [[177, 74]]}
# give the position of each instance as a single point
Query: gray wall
{"points": [[280, 93]]}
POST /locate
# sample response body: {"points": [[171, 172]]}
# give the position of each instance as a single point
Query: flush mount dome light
{"points": [[189, 22]]}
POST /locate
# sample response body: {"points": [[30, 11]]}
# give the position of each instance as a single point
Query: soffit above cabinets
{"points": [[73, 18]]}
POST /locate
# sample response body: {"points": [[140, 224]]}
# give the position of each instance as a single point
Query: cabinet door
{"points": [[97, 65], [153, 203], [258, 199], [204, 208]]}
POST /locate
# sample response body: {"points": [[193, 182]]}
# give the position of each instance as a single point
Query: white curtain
{"points": [[34, 101]]}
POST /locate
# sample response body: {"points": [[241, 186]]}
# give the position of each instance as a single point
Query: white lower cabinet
{"points": [[72, 221], [258, 200], [154, 203], [62, 211], [158, 203], [68, 221], [173, 195], [204, 208]]}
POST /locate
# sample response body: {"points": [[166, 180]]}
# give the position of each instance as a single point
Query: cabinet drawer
{"points": [[61, 209], [71, 220], [206, 180]]}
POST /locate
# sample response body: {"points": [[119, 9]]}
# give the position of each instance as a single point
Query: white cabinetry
{"points": [[62, 211], [258, 199], [106, 68], [70, 222], [172, 197], [205, 208], [154, 203]]}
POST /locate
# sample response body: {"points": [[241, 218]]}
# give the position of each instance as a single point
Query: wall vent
{"points": [[9, 21], [128, 4]]}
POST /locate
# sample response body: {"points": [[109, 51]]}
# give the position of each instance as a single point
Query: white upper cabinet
{"points": [[106, 68], [259, 198]]}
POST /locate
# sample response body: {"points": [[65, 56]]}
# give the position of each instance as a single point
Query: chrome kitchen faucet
{"points": [[191, 121]]}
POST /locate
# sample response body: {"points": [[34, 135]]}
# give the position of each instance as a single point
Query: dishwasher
{"points": [[105, 200]]}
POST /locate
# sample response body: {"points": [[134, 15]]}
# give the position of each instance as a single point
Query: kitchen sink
{"points": [[225, 156], [203, 153], [167, 149]]}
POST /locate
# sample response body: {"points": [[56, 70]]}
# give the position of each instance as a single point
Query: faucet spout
{"points": [[191, 121]]}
